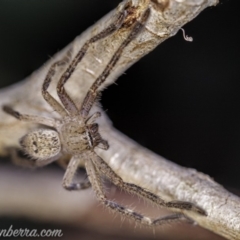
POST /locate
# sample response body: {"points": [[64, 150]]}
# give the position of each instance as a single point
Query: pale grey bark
{"points": [[132, 162]]}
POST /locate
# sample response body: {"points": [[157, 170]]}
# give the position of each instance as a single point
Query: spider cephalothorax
{"points": [[76, 133], [78, 136]]}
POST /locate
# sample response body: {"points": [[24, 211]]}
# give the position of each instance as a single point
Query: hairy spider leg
{"points": [[70, 172], [29, 118], [105, 170], [56, 106], [92, 93], [64, 97], [94, 175]]}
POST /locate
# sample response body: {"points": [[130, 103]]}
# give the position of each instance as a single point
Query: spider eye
{"points": [[41, 144]]}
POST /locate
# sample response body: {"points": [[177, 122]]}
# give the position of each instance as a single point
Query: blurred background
{"points": [[181, 101]]}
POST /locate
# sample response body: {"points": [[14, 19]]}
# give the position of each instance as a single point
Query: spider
{"points": [[76, 133]]}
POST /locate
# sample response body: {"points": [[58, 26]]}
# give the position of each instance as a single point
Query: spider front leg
{"points": [[95, 179], [93, 91], [64, 97], [132, 188], [49, 99], [56, 106], [69, 174]]}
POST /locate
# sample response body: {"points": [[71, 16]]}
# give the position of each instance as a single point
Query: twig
{"points": [[134, 163]]}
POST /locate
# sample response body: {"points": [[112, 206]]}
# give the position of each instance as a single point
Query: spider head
{"points": [[42, 144]]}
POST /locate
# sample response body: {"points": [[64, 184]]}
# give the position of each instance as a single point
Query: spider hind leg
{"points": [[96, 181]]}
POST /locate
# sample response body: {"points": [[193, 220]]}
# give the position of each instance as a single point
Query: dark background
{"points": [[181, 101]]}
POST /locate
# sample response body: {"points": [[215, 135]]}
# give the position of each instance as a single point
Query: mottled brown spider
{"points": [[76, 134]]}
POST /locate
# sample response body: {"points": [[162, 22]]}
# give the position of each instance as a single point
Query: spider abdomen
{"points": [[41, 144]]}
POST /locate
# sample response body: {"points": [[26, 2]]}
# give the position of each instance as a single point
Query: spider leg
{"points": [[29, 118], [132, 188], [93, 93], [46, 95], [95, 179], [69, 174], [64, 97]]}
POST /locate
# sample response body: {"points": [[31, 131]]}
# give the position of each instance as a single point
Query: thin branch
{"points": [[131, 161]]}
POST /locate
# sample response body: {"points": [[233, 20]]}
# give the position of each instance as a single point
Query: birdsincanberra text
{"points": [[25, 232]]}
